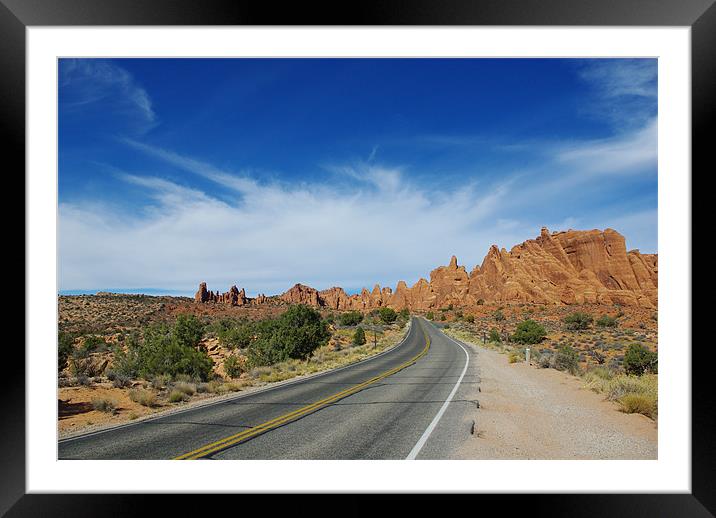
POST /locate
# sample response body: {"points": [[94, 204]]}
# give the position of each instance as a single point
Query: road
{"points": [[405, 403]]}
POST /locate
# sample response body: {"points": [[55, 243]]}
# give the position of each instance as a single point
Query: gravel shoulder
{"points": [[531, 413]]}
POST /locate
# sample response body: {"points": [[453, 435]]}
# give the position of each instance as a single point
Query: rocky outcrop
{"points": [[233, 296], [301, 294], [569, 267]]}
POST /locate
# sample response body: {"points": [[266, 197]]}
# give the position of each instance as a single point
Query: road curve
{"points": [[389, 407]]}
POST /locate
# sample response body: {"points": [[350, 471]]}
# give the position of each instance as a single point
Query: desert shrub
{"points": [[187, 331], [92, 343], [546, 359], [65, 345], [387, 315], [470, 319], [143, 397], [330, 318], [87, 366], [498, 315], [82, 379], [404, 314], [185, 387], [120, 380], [167, 350], [430, 315], [233, 366], [529, 332], [638, 360], [239, 336], [160, 381], [634, 394], [567, 359], [443, 317], [514, 357], [578, 320], [495, 335], [351, 318], [606, 321], [103, 405], [175, 396], [296, 334], [359, 336], [638, 404]]}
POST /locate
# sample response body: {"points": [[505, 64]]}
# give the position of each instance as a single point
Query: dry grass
{"points": [[104, 405], [143, 397], [635, 394], [515, 357], [186, 388], [175, 396]]}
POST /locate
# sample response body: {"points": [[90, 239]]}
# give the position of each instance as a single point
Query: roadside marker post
{"points": [[527, 355]]}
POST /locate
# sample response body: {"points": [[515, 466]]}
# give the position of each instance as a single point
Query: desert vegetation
{"points": [[155, 363], [612, 348]]}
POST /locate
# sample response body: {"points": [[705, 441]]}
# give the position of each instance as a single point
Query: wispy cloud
{"points": [[84, 82], [625, 90], [386, 228], [630, 153], [279, 235]]}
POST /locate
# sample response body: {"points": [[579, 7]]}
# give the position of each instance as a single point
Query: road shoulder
{"points": [[529, 413]]}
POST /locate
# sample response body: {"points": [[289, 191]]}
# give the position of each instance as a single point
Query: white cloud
{"points": [[266, 237], [629, 153], [622, 77], [88, 81], [277, 236]]}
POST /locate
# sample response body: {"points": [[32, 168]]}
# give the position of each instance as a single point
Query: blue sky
{"points": [[267, 172]]}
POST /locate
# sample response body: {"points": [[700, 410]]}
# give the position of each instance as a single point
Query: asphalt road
{"points": [[393, 406]]}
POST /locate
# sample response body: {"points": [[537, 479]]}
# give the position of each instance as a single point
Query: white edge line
{"points": [[237, 396], [426, 434]]}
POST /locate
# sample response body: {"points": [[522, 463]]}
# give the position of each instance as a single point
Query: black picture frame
{"points": [[700, 15]]}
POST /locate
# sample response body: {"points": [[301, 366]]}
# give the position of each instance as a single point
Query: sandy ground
{"points": [[531, 413]]}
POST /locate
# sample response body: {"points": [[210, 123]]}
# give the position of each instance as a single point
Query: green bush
{"points": [[359, 336], [480, 302], [351, 318], [65, 345], [567, 359], [388, 315], [529, 332], [233, 367], [577, 321], [470, 319], [495, 335], [442, 317], [606, 321], [295, 334], [404, 314], [187, 331], [92, 343], [498, 315], [239, 336], [639, 360], [430, 315], [165, 350]]}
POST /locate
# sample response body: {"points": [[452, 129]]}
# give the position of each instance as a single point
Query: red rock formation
{"points": [[570, 267], [202, 295], [301, 294]]}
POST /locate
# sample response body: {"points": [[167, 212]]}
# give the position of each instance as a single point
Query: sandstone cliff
{"points": [[569, 267]]}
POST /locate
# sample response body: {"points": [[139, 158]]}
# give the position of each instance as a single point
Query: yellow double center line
{"points": [[233, 440]]}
